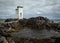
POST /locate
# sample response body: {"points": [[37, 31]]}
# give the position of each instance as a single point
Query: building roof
{"points": [[16, 9], [19, 6]]}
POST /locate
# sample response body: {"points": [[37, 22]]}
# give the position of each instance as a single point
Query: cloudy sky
{"points": [[32, 8]]}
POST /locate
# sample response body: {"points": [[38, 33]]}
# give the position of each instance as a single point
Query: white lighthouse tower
{"points": [[19, 12]]}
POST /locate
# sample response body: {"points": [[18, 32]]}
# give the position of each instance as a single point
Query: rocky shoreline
{"points": [[32, 30]]}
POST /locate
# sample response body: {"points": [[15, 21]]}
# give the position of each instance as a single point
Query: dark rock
{"points": [[33, 33], [3, 40], [9, 20]]}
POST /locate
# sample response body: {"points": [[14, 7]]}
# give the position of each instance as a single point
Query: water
{"points": [[56, 20], [2, 20]]}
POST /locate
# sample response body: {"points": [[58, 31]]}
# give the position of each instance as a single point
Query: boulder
{"points": [[3, 40]]}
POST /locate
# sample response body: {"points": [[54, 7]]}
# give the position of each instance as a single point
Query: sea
{"points": [[56, 20], [2, 20]]}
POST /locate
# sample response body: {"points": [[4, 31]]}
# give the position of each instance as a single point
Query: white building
{"points": [[19, 12]]}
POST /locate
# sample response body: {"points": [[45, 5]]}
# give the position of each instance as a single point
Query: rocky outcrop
{"points": [[39, 23], [9, 20], [32, 30], [34, 23], [3, 40], [24, 40]]}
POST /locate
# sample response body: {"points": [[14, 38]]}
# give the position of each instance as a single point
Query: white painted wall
{"points": [[19, 12]]}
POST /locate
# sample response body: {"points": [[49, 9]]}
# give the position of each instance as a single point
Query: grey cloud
{"points": [[7, 8], [47, 8]]}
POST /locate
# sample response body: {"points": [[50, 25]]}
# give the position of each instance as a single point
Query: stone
{"points": [[3, 40]]}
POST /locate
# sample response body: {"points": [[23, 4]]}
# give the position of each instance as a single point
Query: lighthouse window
{"points": [[20, 14]]}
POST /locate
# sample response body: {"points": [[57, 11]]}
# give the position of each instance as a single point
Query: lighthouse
{"points": [[19, 12]]}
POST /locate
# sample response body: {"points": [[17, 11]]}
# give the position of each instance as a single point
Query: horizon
{"points": [[31, 17]]}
